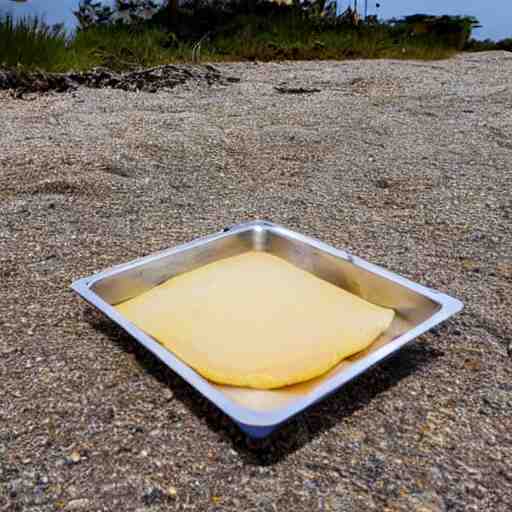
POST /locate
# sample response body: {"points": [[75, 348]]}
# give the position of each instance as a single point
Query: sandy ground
{"points": [[406, 164]]}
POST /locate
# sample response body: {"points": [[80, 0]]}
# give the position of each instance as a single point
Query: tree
{"points": [[91, 12], [172, 12]]}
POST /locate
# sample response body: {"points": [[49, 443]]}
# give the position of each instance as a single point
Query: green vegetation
{"points": [[31, 43], [488, 45], [267, 31], [124, 48], [448, 31], [293, 37]]}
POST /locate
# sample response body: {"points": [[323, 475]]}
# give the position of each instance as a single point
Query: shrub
{"points": [[473, 45], [449, 31], [226, 31]]}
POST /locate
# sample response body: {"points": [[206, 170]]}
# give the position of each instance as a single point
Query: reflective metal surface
{"points": [[259, 412]]}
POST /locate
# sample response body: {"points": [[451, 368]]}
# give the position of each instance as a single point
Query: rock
{"points": [[470, 265], [78, 504], [168, 394], [13, 488], [74, 457], [152, 495], [436, 476], [504, 269], [480, 492], [427, 501]]}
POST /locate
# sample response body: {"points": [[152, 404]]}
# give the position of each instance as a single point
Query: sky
{"points": [[494, 15]]}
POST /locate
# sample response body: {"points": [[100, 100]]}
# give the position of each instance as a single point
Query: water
{"points": [[495, 15]]}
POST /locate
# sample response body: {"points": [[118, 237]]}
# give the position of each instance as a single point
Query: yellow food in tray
{"points": [[255, 320]]}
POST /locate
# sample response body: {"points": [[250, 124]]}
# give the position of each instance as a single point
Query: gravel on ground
{"points": [[406, 164]]}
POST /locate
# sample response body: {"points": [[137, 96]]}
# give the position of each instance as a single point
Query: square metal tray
{"points": [[259, 412]]}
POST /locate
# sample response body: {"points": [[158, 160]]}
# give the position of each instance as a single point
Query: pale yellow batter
{"points": [[257, 321]]}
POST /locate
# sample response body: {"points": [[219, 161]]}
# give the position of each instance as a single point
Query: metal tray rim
{"points": [[448, 306]]}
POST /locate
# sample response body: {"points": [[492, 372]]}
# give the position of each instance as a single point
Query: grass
{"points": [[278, 33], [31, 43], [120, 48], [293, 37]]}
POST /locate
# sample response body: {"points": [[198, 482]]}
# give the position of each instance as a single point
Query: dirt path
{"points": [[407, 164]]}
